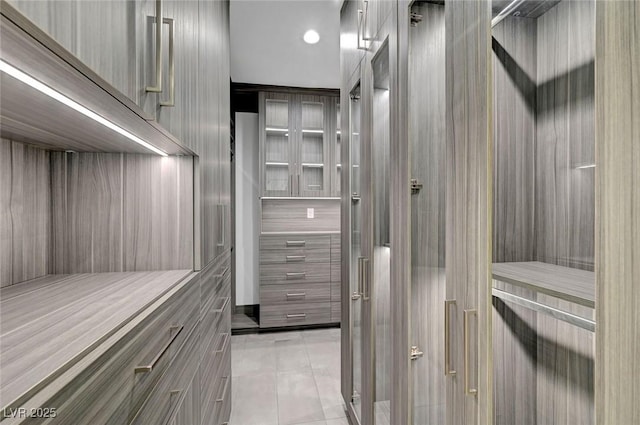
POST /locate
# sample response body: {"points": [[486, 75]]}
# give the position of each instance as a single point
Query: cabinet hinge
{"points": [[415, 352], [416, 186], [416, 18]]}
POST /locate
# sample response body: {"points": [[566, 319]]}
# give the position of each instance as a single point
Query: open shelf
{"points": [[48, 323]]}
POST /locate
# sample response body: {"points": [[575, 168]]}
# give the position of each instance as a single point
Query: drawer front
{"points": [[335, 292], [165, 402], [298, 241], [335, 312], [295, 273], [211, 280], [295, 314], [216, 312], [287, 256], [110, 390], [215, 372], [294, 294]]}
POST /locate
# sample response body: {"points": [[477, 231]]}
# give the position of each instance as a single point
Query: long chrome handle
{"points": [[366, 284], [149, 367], [298, 192], [175, 394], [467, 389], [225, 341], [366, 20], [447, 338], [159, 24], [358, 292], [297, 295], [296, 258], [221, 235], [296, 243], [296, 316], [172, 64], [224, 390], [297, 275]]}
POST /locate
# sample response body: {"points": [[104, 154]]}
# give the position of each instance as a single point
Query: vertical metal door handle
{"points": [[158, 87], [366, 284], [172, 64], [290, 184], [468, 390], [366, 20], [447, 338], [359, 25], [298, 192]]}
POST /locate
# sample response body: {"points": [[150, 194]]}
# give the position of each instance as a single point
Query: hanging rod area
{"points": [[565, 316]]}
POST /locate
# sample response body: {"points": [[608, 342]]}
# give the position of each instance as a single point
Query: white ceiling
{"points": [[267, 45]]}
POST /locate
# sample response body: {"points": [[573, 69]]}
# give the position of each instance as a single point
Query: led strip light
{"points": [[42, 88]]}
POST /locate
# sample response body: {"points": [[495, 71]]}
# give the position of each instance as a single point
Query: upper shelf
{"points": [[48, 322], [50, 116], [574, 285]]}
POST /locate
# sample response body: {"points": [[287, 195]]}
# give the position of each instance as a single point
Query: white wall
{"points": [[247, 209]]}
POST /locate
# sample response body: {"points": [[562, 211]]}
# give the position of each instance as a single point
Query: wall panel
{"points": [[25, 197]]}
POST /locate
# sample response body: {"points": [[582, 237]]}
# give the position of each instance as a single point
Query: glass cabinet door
{"points": [[278, 157], [427, 159], [378, 281], [312, 178], [356, 250], [338, 165]]}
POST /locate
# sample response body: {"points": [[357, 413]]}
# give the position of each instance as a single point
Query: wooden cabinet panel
{"points": [[295, 314], [180, 116], [167, 402], [294, 293], [277, 274], [350, 55], [294, 242], [292, 255]]}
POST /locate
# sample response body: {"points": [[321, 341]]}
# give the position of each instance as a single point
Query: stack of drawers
{"points": [[215, 366], [296, 280]]}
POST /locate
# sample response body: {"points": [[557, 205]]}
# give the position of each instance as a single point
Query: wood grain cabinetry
{"points": [[137, 329], [296, 279], [298, 138]]}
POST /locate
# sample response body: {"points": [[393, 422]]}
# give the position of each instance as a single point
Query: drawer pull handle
{"points": [[224, 390], [224, 305], [224, 272], [297, 295], [225, 341], [297, 316], [298, 275], [296, 243], [150, 366], [174, 395], [296, 258]]}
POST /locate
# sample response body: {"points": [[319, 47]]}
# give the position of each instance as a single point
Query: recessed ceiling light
{"points": [[311, 37]]}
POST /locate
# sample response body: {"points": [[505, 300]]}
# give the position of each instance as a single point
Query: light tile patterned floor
{"points": [[287, 378]]}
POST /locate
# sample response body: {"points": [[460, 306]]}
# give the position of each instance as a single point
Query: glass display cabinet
{"points": [[296, 144], [544, 211]]}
